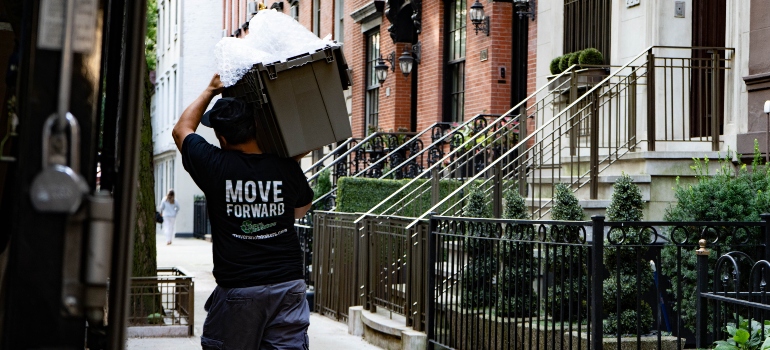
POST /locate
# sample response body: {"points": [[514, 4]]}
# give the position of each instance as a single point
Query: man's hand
{"points": [[215, 86], [191, 117]]}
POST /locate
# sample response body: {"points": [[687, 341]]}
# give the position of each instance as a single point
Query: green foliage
{"points": [[152, 32], [573, 59], [155, 318], [728, 195], [590, 56], [555, 66], [359, 195], [323, 185], [564, 62], [747, 334], [481, 268], [626, 203], [476, 207], [566, 205], [515, 206]]}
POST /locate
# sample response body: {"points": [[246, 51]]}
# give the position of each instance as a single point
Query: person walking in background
{"points": [[168, 209]]}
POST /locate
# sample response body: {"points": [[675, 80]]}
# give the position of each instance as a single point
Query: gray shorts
{"points": [[273, 316]]}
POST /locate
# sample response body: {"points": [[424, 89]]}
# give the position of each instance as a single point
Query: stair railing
{"points": [[472, 151]]}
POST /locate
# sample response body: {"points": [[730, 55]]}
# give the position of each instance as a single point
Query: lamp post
{"points": [[767, 132], [480, 22]]}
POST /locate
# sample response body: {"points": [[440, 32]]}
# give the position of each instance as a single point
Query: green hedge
{"points": [[359, 195]]}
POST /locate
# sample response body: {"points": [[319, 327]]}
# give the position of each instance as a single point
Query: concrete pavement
{"points": [[194, 256]]}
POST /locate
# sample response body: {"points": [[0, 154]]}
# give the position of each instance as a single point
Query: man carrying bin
{"points": [[252, 199]]}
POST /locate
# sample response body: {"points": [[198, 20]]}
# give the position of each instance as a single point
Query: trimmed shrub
{"points": [[322, 186], [728, 195], [359, 195], [566, 205], [554, 66], [519, 267], [590, 56], [481, 268], [566, 293], [564, 62], [573, 59], [626, 205]]}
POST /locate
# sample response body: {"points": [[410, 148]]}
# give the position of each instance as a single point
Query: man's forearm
{"points": [[191, 117]]}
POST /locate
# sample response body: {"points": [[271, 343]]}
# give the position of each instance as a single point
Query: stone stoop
{"points": [[655, 173], [382, 330]]}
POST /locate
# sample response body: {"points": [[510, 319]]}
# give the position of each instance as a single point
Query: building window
{"points": [[317, 17], [587, 24], [339, 16], [294, 10], [456, 35], [372, 85]]}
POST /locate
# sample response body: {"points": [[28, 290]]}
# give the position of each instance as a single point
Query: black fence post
{"points": [[766, 221], [597, 263], [497, 191], [430, 294], [701, 306]]}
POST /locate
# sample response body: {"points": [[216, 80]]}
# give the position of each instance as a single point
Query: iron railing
{"points": [[518, 284], [167, 299], [473, 150], [336, 262], [600, 125]]}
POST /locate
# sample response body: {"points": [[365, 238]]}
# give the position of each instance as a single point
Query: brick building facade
{"points": [[484, 65]]}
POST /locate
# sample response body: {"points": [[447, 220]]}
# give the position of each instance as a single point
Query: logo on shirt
{"points": [[247, 227]]}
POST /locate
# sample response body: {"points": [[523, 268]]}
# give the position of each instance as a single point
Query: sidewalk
{"points": [[194, 255]]}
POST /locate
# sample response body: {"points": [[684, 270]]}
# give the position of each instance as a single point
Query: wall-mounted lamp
{"points": [[526, 8], [406, 61], [381, 69], [480, 22]]}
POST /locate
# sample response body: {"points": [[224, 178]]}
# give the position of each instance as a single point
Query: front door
{"points": [[707, 98]]}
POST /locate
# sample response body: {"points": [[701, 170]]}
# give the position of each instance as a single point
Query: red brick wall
{"points": [[531, 70], [430, 79], [355, 54]]}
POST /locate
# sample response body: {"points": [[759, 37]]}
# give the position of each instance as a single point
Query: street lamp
{"points": [[480, 22], [523, 6]]}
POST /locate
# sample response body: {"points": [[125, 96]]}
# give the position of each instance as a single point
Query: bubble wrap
{"points": [[272, 37]]}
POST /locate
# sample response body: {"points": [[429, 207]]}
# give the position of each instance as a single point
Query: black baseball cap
{"points": [[226, 110]]}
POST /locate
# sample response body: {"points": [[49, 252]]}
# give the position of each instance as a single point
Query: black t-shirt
{"points": [[251, 200]]}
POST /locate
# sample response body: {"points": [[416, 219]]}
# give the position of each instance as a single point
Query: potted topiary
{"points": [[555, 68], [589, 73]]}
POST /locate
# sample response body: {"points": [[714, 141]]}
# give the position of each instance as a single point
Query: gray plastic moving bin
{"points": [[298, 104]]}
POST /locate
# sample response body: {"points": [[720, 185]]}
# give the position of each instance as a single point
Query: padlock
{"points": [[59, 188]]}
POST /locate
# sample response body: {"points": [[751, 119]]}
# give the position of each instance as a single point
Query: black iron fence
{"points": [[201, 224], [513, 284]]}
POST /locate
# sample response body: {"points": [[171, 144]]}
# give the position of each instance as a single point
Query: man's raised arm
{"points": [[191, 117]]}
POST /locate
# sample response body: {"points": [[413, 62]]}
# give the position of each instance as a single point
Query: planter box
{"points": [[586, 79], [162, 305], [298, 104]]}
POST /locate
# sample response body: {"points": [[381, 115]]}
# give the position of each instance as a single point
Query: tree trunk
{"points": [[145, 253]]}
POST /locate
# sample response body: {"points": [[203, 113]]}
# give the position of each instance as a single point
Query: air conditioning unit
{"points": [[253, 8]]}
